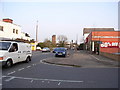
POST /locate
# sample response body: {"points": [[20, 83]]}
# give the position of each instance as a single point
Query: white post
{"points": [[92, 46]]}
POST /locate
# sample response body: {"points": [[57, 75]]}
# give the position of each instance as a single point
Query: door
{"points": [[22, 52], [13, 53]]}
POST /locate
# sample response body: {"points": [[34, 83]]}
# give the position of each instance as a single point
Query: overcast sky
{"points": [[60, 18]]}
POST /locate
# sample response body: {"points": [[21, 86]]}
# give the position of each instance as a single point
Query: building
{"points": [[106, 43], [54, 39], [9, 30], [33, 46], [87, 31]]}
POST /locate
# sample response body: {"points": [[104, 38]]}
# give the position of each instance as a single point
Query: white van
{"points": [[13, 52]]}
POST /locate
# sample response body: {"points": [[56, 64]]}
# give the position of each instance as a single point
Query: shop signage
{"points": [[110, 45]]}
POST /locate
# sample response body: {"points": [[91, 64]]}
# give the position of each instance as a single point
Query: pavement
{"points": [[83, 59]]}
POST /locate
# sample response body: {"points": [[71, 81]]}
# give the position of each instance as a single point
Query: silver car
{"points": [[45, 49]]}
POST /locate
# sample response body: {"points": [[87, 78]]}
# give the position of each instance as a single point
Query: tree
{"points": [[62, 40], [32, 41], [41, 45], [47, 43]]}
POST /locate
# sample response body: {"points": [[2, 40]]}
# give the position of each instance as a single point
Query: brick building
{"points": [[54, 39], [103, 42], [87, 31]]}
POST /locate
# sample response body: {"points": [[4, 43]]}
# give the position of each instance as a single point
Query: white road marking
{"points": [[43, 81], [0, 84], [95, 58], [4, 76], [100, 60], [28, 66], [20, 69], [11, 78], [11, 73], [74, 81], [33, 64], [59, 83], [31, 81]]}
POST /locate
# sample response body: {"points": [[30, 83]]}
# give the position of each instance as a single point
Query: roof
{"points": [[89, 30]]}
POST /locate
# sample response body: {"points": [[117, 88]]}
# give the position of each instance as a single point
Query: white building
{"points": [[9, 30]]}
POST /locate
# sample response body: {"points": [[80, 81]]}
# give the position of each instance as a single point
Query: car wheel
{"points": [[64, 55], [28, 59], [8, 63]]}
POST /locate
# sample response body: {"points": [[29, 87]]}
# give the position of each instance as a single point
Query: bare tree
{"points": [[47, 43], [62, 39]]}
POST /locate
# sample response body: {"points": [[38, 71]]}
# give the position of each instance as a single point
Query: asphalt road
{"points": [[36, 74]]}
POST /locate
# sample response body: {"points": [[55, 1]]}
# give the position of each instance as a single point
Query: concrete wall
{"points": [[111, 56]]}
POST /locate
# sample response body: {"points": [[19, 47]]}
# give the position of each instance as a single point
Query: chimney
{"points": [[8, 20]]}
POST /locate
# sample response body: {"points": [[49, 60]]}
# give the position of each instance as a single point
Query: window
{"points": [[14, 48], [16, 31], [13, 30], [4, 45], [1, 28]]}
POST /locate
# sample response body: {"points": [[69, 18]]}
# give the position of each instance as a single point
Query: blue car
{"points": [[61, 52], [54, 50]]}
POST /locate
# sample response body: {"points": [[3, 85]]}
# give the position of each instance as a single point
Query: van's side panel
{"points": [[24, 51]]}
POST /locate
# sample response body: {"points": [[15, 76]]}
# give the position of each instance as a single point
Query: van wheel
{"points": [[8, 63], [28, 59]]}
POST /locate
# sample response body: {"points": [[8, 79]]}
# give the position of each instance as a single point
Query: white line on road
{"points": [[11, 78], [11, 73], [0, 84], [74, 81], [43, 81], [20, 69], [100, 60], [33, 64], [95, 58], [31, 81], [28, 66], [59, 83]]}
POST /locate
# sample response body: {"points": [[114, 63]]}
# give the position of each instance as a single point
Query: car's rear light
{"points": [[1, 58]]}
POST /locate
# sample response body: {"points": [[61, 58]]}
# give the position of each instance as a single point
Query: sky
{"points": [[60, 18]]}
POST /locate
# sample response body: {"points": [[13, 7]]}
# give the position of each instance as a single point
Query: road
{"points": [[37, 74]]}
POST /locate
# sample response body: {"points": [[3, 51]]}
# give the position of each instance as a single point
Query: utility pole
{"points": [[76, 39], [76, 42], [37, 32]]}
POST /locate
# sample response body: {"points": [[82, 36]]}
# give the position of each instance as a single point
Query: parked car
{"points": [[38, 48], [45, 49], [14, 52], [61, 52]]}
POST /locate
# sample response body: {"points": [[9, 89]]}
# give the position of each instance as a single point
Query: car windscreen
{"points": [[60, 49], [4, 45]]}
